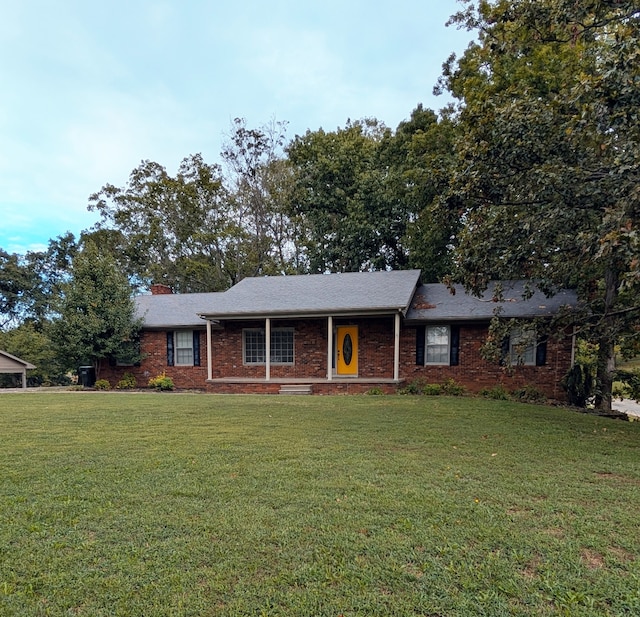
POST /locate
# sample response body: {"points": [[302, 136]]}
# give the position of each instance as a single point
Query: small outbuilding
{"points": [[11, 364]]}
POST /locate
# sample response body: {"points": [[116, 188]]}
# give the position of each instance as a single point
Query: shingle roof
{"points": [[353, 293], [174, 310], [435, 302]]}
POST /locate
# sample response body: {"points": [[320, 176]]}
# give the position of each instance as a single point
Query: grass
{"points": [[176, 505]]}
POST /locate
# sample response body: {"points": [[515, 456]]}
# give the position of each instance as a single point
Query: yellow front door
{"points": [[347, 350]]}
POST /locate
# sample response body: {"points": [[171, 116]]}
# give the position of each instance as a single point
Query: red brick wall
{"points": [[375, 360], [375, 354], [154, 346], [476, 373]]}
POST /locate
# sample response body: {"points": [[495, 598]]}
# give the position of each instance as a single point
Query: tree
{"points": [[18, 284], [418, 158], [96, 313], [549, 155], [340, 199], [173, 230], [32, 344], [365, 195], [259, 182]]}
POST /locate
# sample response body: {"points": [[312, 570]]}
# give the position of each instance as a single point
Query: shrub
{"points": [[452, 388], [432, 389], [529, 394], [580, 383], [415, 387], [102, 384], [127, 382], [497, 393], [161, 382], [628, 384], [375, 392]]}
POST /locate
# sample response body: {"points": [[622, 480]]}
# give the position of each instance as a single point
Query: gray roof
{"points": [[435, 302], [352, 293], [174, 310]]}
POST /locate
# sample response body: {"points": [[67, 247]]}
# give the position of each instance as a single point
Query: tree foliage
{"points": [[29, 342], [17, 285], [549, 155], [172, 230], [96, 313], [259, 183], [364, 193]]}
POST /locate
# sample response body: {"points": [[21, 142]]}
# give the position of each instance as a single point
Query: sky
{"points": [[88, 90]]}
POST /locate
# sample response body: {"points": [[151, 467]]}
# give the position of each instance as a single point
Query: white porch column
{"points": [[329, 347], [267, 349], [24, 378], [209, 352], [396, 348]]}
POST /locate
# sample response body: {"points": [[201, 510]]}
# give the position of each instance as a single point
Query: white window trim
{"points": [[272, 362], [426, 345], [176, 362]]}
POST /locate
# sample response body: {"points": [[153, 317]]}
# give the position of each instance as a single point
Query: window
{"points": [[281, 346], [437, 345], [522, 347], [254, 347], [183, 348]]}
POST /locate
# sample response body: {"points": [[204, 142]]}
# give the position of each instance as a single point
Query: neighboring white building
{"points": [[11, 364]]}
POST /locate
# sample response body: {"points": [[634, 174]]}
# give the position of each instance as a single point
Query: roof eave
{"points": [[379, 312], [473, 319]]}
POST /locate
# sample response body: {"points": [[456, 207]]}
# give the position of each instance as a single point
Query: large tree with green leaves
{"points": [[339, 197], [417, 161], [176, 230], [364, 194], [96, 319], [20, 289], [259, 184], [549, 156]]}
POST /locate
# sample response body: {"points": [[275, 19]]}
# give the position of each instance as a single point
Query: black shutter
{"points": [[196, 348], [170, 349], [454, 355], [541, 351], [420, 333], [504, 351]]}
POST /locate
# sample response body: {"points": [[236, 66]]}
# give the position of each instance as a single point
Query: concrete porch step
{"points": [[296, 389]]}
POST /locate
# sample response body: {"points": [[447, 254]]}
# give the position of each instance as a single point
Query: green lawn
{"points": [[169, 504]]}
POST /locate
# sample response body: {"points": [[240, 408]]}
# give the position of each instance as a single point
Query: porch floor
{"points": [[309, 380]]}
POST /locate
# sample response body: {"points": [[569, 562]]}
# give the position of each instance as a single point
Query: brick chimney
{"points": [[158, 289]]}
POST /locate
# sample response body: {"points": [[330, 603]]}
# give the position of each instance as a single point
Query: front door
{"points": [[347, 350]]}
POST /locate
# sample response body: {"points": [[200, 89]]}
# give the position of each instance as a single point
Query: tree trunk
{"points": [[604, 375], [606, 343]]}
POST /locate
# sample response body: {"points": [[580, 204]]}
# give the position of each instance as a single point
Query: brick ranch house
{"points": [[342, 333]]}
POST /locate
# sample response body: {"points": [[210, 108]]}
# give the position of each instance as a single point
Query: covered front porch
{"points": [[335, 353]]}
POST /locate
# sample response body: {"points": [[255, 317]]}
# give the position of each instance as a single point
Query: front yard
{"points": [[163, 504]]}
